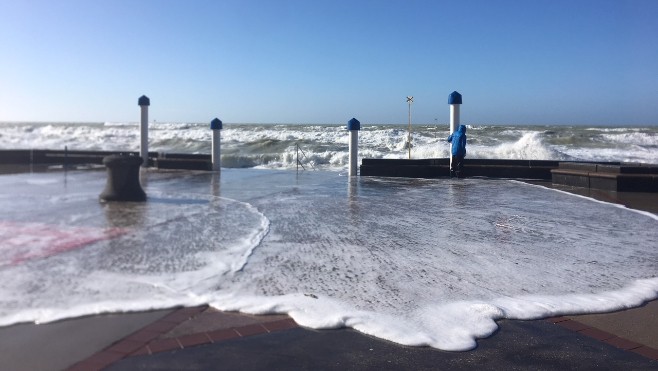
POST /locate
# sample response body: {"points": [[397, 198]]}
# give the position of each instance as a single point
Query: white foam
{"points": [[529, 146], [451, 326], [536, 306], [632, 139], [168, 245], [418, 275]]}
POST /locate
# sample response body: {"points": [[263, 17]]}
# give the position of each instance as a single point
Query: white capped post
{"points": [[144, 102], [455, 101], [354, 126], [216, 127]]}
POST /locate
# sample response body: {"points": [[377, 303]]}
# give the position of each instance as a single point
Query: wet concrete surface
{"points": [[518, 345]]}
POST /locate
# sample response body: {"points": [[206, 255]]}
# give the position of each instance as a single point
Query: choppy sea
{"points": [[418, 262], [274, 146]]}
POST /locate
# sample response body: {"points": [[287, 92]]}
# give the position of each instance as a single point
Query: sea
{"points": [[325, 147], [420, 262]]}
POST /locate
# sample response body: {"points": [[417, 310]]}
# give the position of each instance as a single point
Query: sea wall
{"points": [[434, 168], [66, 158], [611, 176]]}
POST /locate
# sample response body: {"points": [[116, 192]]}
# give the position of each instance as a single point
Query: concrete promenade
{"points": [[202, 338]]}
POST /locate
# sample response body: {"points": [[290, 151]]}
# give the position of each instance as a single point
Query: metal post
{"points": [[144, 102], [455, 101], [353, 126], [216, 127], [454, 117], [410, 100]]}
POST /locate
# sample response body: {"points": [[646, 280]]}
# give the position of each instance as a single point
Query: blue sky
{"points": [[315, 61]]}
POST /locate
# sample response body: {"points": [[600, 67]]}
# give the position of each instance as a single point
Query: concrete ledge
{"points": [[637, 183], [65, 158], [14, 157], [406, 171], [579, 166], [612, 176], [571, 178], [182, 164], [439, 167], [507, 171], [614, 180], [610, 167], [405, 162]]}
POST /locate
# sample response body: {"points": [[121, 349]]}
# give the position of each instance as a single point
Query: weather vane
{"points": [[410, 99]]}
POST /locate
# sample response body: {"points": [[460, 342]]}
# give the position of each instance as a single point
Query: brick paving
{"points": [[153, 338], [606, 337]]}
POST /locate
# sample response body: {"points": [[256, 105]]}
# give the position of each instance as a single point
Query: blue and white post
{"points": [[144, 102], [216, 127], [354, 126], [455, 101]]}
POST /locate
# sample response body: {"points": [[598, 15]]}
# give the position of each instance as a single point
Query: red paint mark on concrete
{"points": [[20, 242]]}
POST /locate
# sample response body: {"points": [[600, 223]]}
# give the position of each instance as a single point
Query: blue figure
{"points": [[458, 140]]}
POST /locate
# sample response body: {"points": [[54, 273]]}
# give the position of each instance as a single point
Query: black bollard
{"points": [[123, 179]]}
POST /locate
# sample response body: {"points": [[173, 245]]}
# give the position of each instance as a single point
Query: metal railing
{"points": [[299, 162]]}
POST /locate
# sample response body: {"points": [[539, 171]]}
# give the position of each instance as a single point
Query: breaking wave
{"points": [[283, 146]]}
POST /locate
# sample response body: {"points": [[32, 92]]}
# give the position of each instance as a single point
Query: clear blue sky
{"points": [[315, 61]]}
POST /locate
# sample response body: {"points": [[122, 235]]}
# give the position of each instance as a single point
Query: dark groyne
{"points": [[611, 176]]}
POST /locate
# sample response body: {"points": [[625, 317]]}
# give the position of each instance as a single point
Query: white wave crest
{"points": [[529, 147]]}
